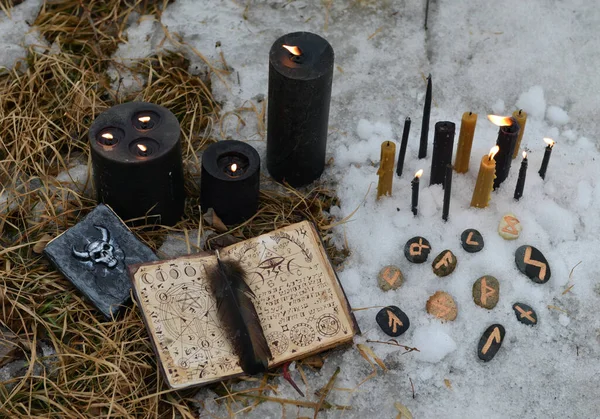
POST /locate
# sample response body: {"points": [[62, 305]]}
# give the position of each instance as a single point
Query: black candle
{"points": [[403, 145], [443, 143], [137, 163], [300, 76], [521, 179], [547, 153], [230, 180], [415, 192], [447, 191], [507, 140], [425, 124]]}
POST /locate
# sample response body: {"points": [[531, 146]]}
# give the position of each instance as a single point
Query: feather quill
{"points": [[238, 315]]}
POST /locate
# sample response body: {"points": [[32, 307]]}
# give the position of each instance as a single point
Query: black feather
{"points": [[238, 316]]}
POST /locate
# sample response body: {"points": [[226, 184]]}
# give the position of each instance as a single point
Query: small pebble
{"points": [[471, 240], [490, 342], [392, 321], [525, 314], [444, 264], [510, 227], [390, 278], [442, 305], [417, 249], [532, 263], [486, 292]]}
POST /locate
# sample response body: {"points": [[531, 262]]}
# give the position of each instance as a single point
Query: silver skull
{"points": [[99, 251]]}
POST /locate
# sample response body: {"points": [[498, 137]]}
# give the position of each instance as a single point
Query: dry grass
{"points": [[100, 369]]}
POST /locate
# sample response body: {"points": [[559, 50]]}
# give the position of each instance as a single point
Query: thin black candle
{"points": [[506, 142], [546, 159], [447, 191], [403, 145], [521, 179], [300, 77], [415, 192], [425, 124], [443, 143]]}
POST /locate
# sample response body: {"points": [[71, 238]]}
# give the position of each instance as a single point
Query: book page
{"points": [[301, 307]]}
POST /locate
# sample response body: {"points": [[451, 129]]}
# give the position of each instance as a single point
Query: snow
{"points": [[17, 34], [484, 57]]}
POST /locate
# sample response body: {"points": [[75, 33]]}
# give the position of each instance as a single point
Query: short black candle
{"points": [[546, 159], [447, 192], [415, 192], [507, 140], [521, 179], [230, 180], [137, 163], [425, 123], [403, 146], [443, 143], [300, 78]]}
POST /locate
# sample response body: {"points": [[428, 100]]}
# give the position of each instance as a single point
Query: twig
{"points": [[326, 391], [394, 342]]}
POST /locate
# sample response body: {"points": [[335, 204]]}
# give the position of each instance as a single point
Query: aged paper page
{"points": [[298, 302]]}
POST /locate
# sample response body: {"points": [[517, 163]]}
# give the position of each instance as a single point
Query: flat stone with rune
{"points": [[417, 249], [442, 305], [490, 342], [390, 278], [509, 227], [486, 292], [392, 321], [444, 264], [471, 240], [525, 314], [532, 263]]}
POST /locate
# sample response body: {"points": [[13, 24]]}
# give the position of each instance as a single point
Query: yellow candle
{"points": [[465, 141], [386, 168], [485, 180], [521, 117]]}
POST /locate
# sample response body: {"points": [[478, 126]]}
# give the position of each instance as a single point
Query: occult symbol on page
{"points": [[328, 325], [278, 342], [302, 334]]}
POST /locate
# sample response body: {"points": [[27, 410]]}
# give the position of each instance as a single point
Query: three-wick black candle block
{"points": [[507, 140], [443, 144], [300, 78], [229, 182], [137, 162]]}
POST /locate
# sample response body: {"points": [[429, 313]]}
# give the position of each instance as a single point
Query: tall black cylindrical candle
{"points": [[507, 140], [403, 146], [521, 180], [425, 122], [300, 76], [546, 159], [414, 204], [137, 163], [447, 192], [230, 180], [443, 143]]}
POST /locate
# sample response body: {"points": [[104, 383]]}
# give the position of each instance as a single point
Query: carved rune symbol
{"points": [[416, 248], [393, 321], [511, 222], [445, 260], [495, 335], [390, 277], [527, 259], [486, 291], [471, 242], [525, 314]]}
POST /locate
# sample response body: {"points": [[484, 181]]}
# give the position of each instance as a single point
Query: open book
{"points": [[299, 300]]}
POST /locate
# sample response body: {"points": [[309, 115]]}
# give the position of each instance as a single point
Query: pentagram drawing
{"points": [[195, 338]]}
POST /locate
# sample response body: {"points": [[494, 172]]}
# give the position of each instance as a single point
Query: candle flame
{"points": [[293, 49], [550, 142], [501, 121], [493, 152], [142, 147], [144, 119], [233, 167], [524, 154], [108, 136], [419, 173]]}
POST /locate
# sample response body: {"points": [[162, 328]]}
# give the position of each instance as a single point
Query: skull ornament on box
{"points": [[99, 251], [93, 255]]}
